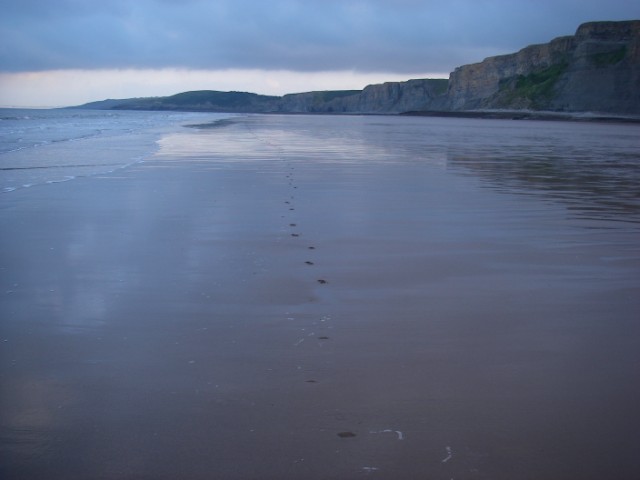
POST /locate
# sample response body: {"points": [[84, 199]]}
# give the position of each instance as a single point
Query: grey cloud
{"points": [[375, 35]]}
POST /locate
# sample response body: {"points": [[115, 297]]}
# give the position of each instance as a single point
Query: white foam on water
{"points": [[53, 146]]}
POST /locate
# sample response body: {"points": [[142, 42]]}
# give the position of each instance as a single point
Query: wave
{"points": [[43, 146], [39, 167]]}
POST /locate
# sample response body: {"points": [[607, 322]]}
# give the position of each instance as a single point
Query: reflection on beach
{"points": [[596, 176], [593, 169], [354, 141]]}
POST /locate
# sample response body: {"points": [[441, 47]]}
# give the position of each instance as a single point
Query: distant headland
{"points": [[597, 70]]}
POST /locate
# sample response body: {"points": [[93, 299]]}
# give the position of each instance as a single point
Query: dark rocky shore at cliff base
{"points": [[527, 115]]}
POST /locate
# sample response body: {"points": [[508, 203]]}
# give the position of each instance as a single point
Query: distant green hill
{"points": [[108, 104], [204, 100]]}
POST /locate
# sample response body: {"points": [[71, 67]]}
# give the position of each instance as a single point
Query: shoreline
{"points": [[527, 115], [594, 117]]}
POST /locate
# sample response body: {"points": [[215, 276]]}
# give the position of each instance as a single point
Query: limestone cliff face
{"points": [[597, 69], [318, 102], [472, 86], [397, 97], [390, 97], [604, 72]]}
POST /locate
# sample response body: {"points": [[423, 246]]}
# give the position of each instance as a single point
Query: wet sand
{"points": [[259, 304]]}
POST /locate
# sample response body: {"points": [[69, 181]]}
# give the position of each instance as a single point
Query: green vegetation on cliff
{"points": [[539, 85], [439, 85], [605, 59], [327, 96], [533, 90]]}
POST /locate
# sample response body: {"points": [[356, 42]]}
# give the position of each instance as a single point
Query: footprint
{"points": [[295, 234], [321, 281], [293, 225], [346, 434], [308, 262], [311, 248]]}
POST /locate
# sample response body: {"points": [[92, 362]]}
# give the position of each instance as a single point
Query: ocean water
{"points": [[45, 146]]}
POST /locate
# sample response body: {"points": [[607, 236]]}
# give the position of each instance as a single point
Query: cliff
{"points": [[390, 97], [597, 69]]}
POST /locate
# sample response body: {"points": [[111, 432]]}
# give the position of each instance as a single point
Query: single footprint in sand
{"points": [[346, 434], [308, 262], [321, 281], [295, 234]]}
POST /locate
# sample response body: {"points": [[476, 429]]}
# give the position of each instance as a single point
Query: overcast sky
{"points": [[60, 52]]}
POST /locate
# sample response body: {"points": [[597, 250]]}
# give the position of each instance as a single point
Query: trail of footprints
{"points": [[295, 234], [321, 281], [289, 203]]}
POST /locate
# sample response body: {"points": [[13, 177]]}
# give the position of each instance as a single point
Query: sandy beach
{"points": [[291, 297]]}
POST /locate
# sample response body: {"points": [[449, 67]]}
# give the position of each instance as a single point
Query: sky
{"points": [[68, 52]]}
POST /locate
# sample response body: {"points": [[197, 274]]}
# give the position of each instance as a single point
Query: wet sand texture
{"points": [[460, 320]]}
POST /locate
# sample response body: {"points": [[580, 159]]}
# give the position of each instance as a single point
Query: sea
{"points": [[43, 146]]}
